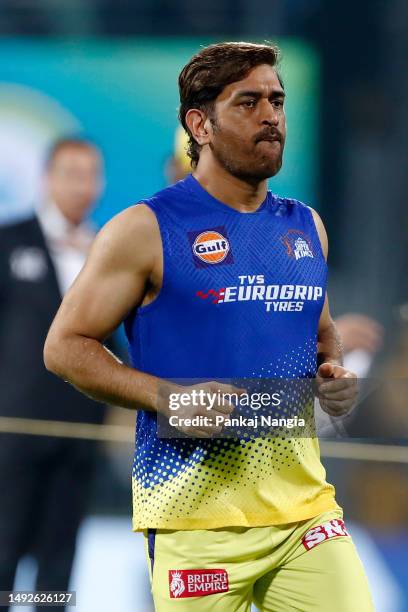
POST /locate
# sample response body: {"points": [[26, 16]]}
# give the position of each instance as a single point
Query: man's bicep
{"points": [[97, 303], [112, 282]]}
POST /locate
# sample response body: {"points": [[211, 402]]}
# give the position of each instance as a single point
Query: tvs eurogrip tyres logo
{"points": [[210, 247]]}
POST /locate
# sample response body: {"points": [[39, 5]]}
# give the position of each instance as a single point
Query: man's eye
{"points": [[249, 103], [278, 103]]}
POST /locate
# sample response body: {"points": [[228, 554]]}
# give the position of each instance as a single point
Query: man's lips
{"points": [[269, 138]]}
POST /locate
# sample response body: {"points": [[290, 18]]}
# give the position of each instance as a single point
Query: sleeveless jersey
{"points": [[241, 297]]}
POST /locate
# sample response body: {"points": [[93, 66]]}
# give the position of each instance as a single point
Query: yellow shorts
{"points": [[308, 566]]}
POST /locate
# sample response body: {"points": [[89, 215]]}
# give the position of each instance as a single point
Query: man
{"points": [[204, 275], [44, 480]]}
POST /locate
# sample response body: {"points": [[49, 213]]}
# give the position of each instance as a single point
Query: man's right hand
{"points": [[212, 402]]}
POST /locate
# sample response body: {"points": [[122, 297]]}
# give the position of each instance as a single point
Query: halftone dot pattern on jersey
{"points": [[172, 478], [229, 480]]}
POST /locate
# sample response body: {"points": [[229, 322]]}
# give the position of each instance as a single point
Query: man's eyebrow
{"points": [[276, 93]]}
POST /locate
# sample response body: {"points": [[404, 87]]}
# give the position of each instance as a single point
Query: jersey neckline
{"points": [[204, 196]]}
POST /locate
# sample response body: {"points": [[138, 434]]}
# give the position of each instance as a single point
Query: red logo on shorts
{"points": [[197, 582], [317, 535]]}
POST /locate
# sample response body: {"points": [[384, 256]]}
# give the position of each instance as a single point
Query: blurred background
{"points": [[105, 72]]}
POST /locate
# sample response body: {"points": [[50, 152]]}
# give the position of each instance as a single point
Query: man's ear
{"points": [[199, 125]]}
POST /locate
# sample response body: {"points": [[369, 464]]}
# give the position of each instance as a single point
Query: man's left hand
{"points": [[337, 389]]}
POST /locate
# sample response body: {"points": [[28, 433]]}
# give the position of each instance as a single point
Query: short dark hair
{"points": [[68, 142], [211, 70]]}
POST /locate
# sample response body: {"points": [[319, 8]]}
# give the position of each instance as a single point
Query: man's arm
{"points": [[329, 344], [123, 271], [336, 386], [115, 278], [330, 348]]}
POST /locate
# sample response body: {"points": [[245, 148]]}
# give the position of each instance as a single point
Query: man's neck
{"points": [[229, 189]]}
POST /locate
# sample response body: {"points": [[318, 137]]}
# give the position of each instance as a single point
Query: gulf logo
{"points": [[211, 247]]}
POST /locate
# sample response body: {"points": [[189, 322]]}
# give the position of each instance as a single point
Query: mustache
{"points": [[269, 134]]}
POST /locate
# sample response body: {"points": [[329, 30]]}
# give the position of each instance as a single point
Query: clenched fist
{"points": [[337, 389]]}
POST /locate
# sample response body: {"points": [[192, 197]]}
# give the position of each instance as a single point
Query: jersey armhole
{"points": [[314, 231], [163, 237]]}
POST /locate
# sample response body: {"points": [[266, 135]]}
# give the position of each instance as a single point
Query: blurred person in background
{"points": [[362, 338], [384, 418], [44, 480]]}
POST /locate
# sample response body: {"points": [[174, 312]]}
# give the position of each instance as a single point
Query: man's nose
{"points": [[269, 114]]}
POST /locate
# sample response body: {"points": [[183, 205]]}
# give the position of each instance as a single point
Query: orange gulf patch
{"points": [[211, 247]]}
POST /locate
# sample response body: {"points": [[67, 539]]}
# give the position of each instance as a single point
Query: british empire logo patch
{"points": [[197, 582]]}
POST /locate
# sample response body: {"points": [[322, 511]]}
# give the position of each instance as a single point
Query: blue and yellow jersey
{"points": [[241, 298]]}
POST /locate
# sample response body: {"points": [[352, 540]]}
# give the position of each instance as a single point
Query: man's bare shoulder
{"points": [[131, 235], [137, 218]]}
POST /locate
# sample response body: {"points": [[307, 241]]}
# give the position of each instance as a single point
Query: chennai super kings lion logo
{"points": [[297, 244], [177, 586]]}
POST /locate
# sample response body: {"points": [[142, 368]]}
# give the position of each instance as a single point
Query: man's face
{"points": [[249, 128], [74, 181]]}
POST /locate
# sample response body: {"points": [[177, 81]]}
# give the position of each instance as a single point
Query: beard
{"points": [[251, 163]]}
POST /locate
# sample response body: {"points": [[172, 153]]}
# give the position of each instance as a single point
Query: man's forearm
{"points": [[330, 348], [94, 370]]}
